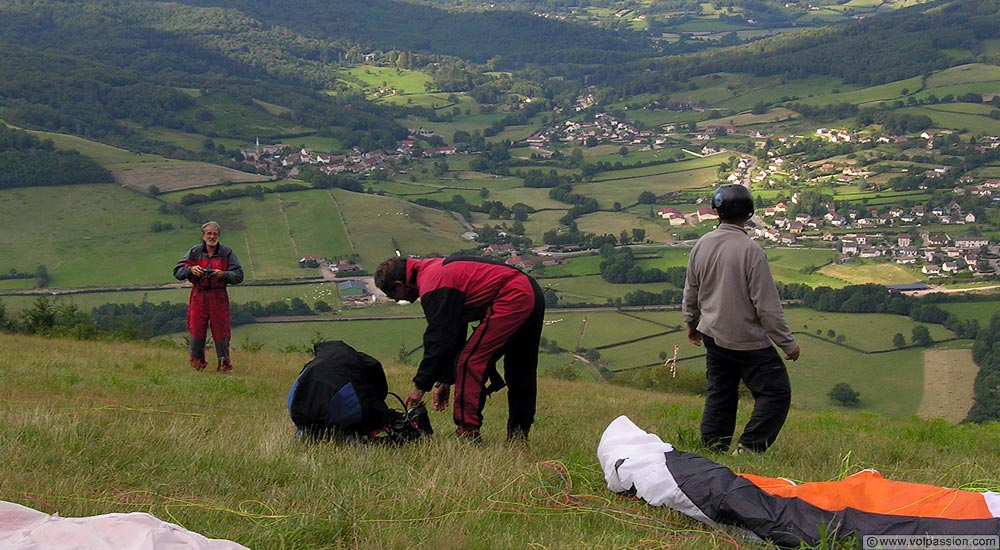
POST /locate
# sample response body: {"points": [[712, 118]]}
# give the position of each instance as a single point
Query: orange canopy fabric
{"points": [[868, 491]]}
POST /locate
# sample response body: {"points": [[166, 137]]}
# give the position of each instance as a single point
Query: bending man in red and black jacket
{"points": [[210, 266], [510, 308]]}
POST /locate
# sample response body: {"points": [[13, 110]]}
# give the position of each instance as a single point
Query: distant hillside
{"points": [[907, 43], [513, 38]]}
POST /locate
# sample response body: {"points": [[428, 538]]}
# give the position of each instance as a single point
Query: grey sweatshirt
{"points": [[730, 295]]}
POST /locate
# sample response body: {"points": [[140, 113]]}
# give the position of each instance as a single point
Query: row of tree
{"points": [[133, 321]]}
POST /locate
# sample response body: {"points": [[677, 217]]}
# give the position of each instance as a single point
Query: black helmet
{"points": [[733, 203]]}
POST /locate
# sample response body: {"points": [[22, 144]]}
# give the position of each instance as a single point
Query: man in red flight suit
{"points": [[210, 267], [510, 308]]}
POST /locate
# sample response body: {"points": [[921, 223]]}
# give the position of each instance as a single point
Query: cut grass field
{"points": [[89, 428], [862, 272], [182, 176]]}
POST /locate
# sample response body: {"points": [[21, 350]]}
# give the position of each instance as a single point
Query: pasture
{"points": [[981, 310], [89, 235], [621, 186], [592, 289], [403, 81], [259, 233], [956, 121], [863, 96], [615, 222], [316, 224], [112, 158], [376, 225]]}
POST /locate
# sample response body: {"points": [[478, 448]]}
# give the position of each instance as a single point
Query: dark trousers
{"points": [[765, 376]]}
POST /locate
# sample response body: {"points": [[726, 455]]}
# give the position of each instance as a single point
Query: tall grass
{"points": [[89, 428]]}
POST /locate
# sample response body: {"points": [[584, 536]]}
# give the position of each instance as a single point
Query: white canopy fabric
{"points": [[23, 528]]}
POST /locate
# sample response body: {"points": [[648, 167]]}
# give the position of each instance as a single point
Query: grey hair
{"points": [[206, 225]]}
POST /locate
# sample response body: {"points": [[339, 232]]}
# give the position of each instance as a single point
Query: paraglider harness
{"points": [[341, 395]]}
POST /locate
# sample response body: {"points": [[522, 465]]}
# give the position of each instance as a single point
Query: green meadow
{"points": [[950, 119], [981, 311], [90, 428], [376, 225], [402, 80], [90, 235], [615, 222], [316, 224], [112, 158]]}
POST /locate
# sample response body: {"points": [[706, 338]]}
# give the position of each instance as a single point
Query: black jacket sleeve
{"points": [[234, 273], [443, 340]]}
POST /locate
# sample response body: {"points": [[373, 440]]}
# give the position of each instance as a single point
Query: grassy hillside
{"points": [[89, 428]]}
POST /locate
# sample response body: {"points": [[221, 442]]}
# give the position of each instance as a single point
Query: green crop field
{"points": [[317, 143], [536, 225], [187, 140], [889, 383], [536, 198], [857, 327], [471, 123], [608, 329]]}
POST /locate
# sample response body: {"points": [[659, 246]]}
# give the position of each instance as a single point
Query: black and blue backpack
{"points": [[341, 394]]}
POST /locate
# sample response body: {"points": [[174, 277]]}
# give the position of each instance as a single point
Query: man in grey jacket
{"points": [[732, 306]]}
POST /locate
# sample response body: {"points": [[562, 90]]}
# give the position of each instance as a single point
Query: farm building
{"points": [[353, 291]]}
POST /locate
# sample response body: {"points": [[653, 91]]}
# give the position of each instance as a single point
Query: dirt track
{"points": [[948, 384]]}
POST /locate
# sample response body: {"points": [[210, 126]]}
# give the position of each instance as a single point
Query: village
{"points": [[888, 232]]}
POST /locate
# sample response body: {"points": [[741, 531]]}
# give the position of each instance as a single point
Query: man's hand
{"points": [[793, 355], [440, 395], [694, 336], [415, 396], [197, 270], [218, 274]]}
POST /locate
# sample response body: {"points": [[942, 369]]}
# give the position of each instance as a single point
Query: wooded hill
{"points": [[86, 69], [908, 43]]}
